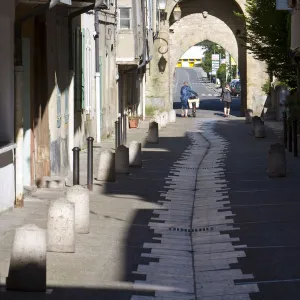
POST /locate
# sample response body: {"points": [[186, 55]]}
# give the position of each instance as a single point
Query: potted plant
{"points": [[133, 121]]}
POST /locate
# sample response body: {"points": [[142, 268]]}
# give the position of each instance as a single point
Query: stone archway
{"points": [[193, 29], [253, 75]]}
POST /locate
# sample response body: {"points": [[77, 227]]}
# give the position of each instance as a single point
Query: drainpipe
{"points": [[97, 76]]}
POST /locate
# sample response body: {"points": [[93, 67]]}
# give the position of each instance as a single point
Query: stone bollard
{"points": [[172, 116], [122, 160], [135, 154], [258, 128], [27, 270], [163, 121], [61, 226], [248, 116], [81, 198], [153, 136], [166, 116], [277, 161], [106, 168]]}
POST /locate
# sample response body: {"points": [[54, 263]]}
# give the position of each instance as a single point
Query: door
{"points": [[40, 109]]}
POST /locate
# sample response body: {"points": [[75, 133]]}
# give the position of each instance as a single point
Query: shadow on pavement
{"points": [[266, 212]]}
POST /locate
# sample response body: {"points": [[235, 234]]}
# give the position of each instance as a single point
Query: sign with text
{"points": [[215, 63]]}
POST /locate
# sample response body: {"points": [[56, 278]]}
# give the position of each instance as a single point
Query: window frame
{"points": [[130, 18]]}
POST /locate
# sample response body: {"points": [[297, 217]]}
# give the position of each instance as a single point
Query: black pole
{"points": [[76, 151], [290, 136], [120, 131], [117, 134], [125, 129], [285, 136], [295, 142], [90, 141]]}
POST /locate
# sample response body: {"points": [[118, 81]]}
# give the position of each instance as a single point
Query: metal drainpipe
{"points": [[97, 76]]}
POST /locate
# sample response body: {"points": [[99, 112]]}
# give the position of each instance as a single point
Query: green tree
{"points": [[267, 37], [221, 74]]}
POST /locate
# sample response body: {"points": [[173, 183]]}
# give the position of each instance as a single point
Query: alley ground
{"points": [[200, 220]]}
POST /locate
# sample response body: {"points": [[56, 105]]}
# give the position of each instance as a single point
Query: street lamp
{"points": [[177, 13]]}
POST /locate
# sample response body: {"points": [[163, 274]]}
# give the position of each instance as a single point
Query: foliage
{"points": [[268, 39], [150, 110], [211, 48], [266, 87], [221, 74]]}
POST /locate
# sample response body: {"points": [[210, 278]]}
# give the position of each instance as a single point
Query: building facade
{"points": [[68, 69]]}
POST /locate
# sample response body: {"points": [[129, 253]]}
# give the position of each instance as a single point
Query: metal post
{"points": [[76, 151], [285, 136], [120, 130], [117, 144], [125, 129], [290, 136], [90, 172], [295, 142]]}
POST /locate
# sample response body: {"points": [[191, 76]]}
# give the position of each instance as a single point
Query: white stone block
{"points": [[276, 161], [135, 154], [106, 168], [81, 198], [27, 270], [122, 160], [163, 121], [61, 226], [172, 116], [153, 136], [166, 116]]}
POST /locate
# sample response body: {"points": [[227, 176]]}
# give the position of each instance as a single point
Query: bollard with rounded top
{"points": [[277, 161], [172, 116], [248, 116], [61, 226], [153, 137], [163, 121], [106, 169], [259, 130], [135, 154], [122, 160], [27, 270], [166, 116], [81, 198]]}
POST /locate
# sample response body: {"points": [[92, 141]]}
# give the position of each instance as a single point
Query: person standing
{"points": [[227, 99], [186, 93]]}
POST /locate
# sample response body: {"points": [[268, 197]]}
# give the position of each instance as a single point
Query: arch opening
{"points": [[193, 29]]}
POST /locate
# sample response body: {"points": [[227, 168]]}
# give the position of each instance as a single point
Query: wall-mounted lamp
{"points": [[177, 13], [205, 14], [162, 4], [162, 63]]}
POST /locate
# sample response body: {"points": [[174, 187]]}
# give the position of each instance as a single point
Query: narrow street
{"points": [[200, 221]]}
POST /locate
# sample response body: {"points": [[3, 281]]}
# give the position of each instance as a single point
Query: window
{"points": [[125, 18]]}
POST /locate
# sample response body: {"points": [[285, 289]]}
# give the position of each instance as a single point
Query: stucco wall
{"points": [[7, 177], [58, 82]]}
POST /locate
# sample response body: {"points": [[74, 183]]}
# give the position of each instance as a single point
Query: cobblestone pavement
{"points": [[200, 220]]}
